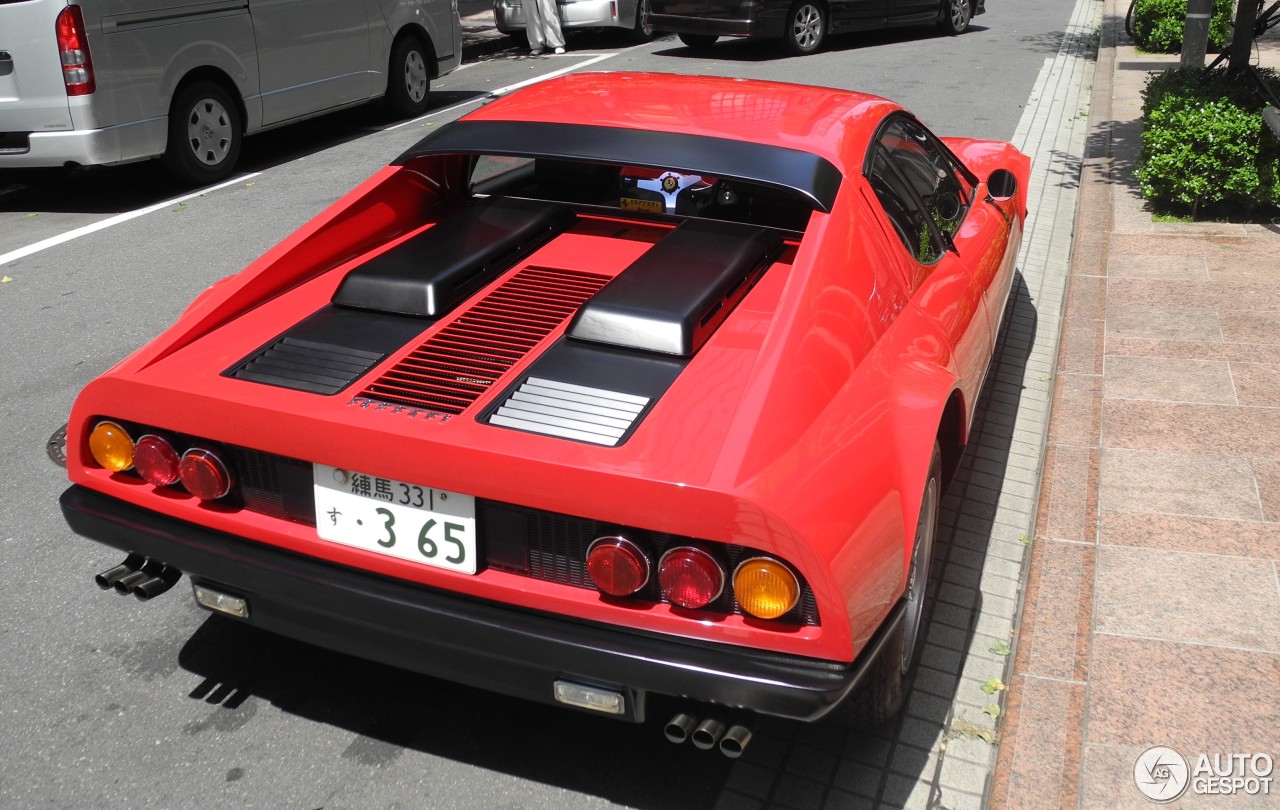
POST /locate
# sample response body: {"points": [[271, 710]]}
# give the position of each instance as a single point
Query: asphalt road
{"points": [[106, 701]]}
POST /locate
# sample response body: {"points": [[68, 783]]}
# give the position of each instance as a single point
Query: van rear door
{"points": [[312, 55], [33, 97]]}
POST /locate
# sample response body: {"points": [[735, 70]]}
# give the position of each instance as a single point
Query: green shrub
{"points": [[1158, 24], [1204, 142]]}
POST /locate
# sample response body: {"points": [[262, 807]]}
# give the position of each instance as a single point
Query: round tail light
{"points": [[690, 577], [111, 446], [765, 588], [156, 460], [617, 566], [204, 474]]}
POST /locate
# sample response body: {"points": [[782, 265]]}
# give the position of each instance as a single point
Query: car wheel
{"points": [[408, 78], [643, 29], [883, 691], [806, 27], [699, 42], [205, 134], [956, 16]]}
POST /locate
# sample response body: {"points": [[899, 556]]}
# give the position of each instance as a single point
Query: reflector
{"points": [[204, 474], [617, 566]]}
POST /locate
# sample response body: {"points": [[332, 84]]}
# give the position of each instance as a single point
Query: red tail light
{"points": [[204, 474], [690, 577], [617, 566], [73, 47], [156, 460]]}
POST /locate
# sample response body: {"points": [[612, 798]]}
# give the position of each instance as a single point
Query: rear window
{"points": [[641, 190]]}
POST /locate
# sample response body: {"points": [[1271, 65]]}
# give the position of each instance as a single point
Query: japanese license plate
{"points": [[416, 523]]}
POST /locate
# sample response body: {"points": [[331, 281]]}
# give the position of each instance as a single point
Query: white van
{"points": [[114, 81]]}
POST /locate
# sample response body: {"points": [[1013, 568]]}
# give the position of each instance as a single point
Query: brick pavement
{"points": [[1152, 604]]}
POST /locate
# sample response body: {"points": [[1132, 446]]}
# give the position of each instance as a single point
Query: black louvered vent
{"points": [[307, 365], [456, 365]]}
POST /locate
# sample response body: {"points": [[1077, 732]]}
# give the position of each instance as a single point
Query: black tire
{"points": [[883, 691], [409, 78], [205, 134], [642, 31], [955, 16], [698, 42], [806, 27]]}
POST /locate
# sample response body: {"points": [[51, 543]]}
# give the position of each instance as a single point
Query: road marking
{"points": [[54, 241], [501, 91]]}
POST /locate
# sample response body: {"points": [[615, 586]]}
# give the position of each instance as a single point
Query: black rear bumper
{"points": [[492, 646]]}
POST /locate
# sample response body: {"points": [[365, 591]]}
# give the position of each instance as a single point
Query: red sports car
{"points": [[622, 390]]}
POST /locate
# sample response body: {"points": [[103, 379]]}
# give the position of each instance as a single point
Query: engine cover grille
{"points": [[457, 365]]}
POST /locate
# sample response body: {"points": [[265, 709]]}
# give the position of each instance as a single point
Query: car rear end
{"points": [[47, 84], [721, 18]]}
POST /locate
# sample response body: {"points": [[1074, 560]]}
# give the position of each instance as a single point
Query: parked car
{"points": [[623, 389], [628, 15], [803, 25], [103, 82]]}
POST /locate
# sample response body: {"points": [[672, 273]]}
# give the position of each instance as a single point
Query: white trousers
{"points": [[542, 24]]}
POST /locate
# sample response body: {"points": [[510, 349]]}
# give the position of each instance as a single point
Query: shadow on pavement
{"points": [[393, 709]]}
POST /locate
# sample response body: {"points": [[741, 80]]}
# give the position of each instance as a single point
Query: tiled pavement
{"points": [[1152, 603]]}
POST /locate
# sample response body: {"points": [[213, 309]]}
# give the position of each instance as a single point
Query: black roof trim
{"points": [[814, 177]]}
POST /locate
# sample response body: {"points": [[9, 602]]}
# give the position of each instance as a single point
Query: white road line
{"points": [[54, 241], [492, 94]]}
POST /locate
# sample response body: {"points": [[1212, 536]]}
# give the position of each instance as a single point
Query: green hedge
{"points": [[1158, 24], [1204, 142]]}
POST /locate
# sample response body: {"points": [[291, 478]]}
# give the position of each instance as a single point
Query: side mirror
{"points": [[1002, 185]]}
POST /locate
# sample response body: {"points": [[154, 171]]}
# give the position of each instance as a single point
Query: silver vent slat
{"points": [[570, 411]]}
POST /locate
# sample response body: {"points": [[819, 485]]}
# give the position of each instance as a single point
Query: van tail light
{"points": [[73, 47], [690, 577], [204, 474], [156, 461]]}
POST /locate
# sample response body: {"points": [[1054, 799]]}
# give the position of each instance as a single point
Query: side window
{"points": [[922, 190]]}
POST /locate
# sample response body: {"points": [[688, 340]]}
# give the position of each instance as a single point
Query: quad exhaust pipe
{"points": [[141, 576], [708, 733]]}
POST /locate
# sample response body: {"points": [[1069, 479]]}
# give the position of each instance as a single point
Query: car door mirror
{"points": [[1002, 185]]}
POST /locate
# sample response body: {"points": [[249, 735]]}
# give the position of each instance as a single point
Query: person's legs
{"points": [[549, 23], [533, 25]]}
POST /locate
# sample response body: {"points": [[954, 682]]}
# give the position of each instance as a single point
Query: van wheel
{"points": [[884, 688], [205, 134], [409, 78]]}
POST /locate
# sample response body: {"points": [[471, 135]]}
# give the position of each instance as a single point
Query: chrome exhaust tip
{"points": [[108, 578], [735, 741], [679, 728], [707, 734]]}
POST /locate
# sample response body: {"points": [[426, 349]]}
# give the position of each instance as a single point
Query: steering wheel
{"points": [[670, 185]]}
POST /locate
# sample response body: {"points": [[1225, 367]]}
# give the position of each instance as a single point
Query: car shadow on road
{"points": [[787, 764], [116, 189], [393, 710]]}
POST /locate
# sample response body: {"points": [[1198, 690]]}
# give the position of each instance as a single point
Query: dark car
{"points": [[802, 25]]}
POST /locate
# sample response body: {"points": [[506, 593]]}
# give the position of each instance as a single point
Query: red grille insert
{"points": [[456, 365]]}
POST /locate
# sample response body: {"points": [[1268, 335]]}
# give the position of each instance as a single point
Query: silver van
{"points": [[114, 81]]}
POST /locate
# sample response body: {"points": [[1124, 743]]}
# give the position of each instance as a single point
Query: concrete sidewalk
{"points": [[1151, 612]]}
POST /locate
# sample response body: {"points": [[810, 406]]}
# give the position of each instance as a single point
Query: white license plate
{"points": [[415, 523]]}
